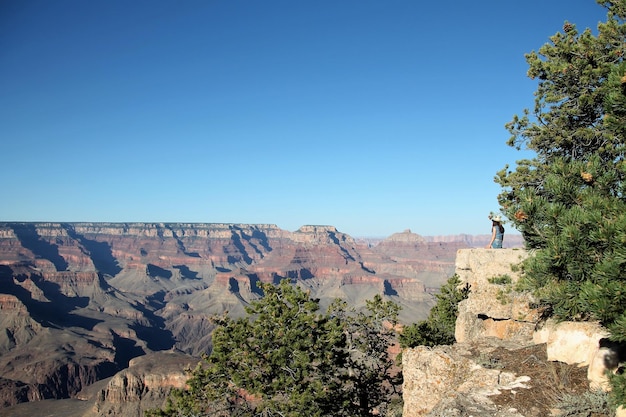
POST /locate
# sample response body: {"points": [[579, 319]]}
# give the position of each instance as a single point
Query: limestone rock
{"points": [[571, 342], [446, 381], [493, 309]]}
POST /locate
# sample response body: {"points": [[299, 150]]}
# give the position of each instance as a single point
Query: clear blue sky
{"points": [[371, 116]]}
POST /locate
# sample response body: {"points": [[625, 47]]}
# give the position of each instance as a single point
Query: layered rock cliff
{"points": [[81, 301]]}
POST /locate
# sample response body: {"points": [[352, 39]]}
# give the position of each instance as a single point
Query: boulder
{"points": [[571, 342]]}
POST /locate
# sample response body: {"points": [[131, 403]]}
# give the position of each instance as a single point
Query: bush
{"points": [[438, 328], [288, 359]]}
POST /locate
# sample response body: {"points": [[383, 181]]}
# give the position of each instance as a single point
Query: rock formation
{"points": [[144, 385], [492, 309], [507, 361]]}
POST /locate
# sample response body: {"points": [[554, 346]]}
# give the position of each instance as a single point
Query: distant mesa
{"points": [[406, 236], [317, 229]]}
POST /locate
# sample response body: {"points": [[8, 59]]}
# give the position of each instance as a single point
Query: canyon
{"points": [[82, 302]]}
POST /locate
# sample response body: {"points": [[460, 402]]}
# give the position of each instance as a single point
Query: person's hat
{"points": [[496, 219]]}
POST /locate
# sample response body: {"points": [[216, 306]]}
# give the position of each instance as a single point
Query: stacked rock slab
{"points": [[493, 309]]}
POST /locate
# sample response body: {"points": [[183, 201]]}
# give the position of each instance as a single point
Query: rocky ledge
{"points": [[507, 361]]}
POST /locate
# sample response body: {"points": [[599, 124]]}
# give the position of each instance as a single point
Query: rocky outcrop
{"points": [[493, 308], [144, 385], [447, 381], [583, 344], [506, 359]]}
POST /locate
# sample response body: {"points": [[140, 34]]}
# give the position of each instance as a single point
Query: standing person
{"points": [[497, 232]]}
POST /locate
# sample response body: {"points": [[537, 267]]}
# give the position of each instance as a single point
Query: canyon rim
{"points": [[83, 301]]}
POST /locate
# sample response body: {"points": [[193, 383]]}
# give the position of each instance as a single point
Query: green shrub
{"points": [[286, 358], [500, 279], [585, 405], [438, 328]]}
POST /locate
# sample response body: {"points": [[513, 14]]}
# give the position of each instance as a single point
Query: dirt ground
{"points": [[550, 381]]}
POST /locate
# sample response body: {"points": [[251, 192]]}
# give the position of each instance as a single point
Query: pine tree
{"points": [[569, 201], [285, 358], [373, 378]]}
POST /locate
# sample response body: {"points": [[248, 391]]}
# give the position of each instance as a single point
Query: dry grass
{"points": [[555, 387]]}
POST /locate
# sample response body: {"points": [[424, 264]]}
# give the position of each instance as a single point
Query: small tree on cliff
{"points": [[287, 359], [374, 380], [438, 328], [569, 201]]}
